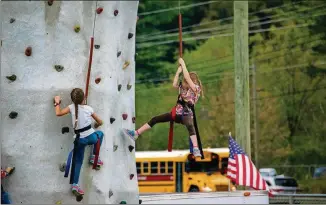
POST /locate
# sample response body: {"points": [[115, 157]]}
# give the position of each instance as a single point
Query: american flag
{"points": [[241, 170]]}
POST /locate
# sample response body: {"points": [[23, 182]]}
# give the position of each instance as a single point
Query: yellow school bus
{"points": [[179, 171]]}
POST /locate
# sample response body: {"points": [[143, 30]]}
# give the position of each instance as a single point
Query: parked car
{"points": [[282, 185], [319, 172], [267, 172]]}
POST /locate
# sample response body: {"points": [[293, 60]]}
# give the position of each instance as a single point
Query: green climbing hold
{"points": [[58, 68], [77, 28], [128, 87], [12, 78], [123, 202], [119, 87], [12, 20], [62, 167], [126, 64], [115, 147]]}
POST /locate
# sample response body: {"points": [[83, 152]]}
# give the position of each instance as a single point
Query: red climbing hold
{"points": [[116, 12], [133, 119], [112, 120], [124, 116], [77, 28], [131, 176], [130, 147], [28, 51], [99, 10], [97, 80]]}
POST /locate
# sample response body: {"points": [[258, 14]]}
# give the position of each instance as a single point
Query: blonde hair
{"points": [[194, 77]]}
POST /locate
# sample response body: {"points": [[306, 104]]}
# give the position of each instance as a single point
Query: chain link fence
{"points": [[298, 199]]}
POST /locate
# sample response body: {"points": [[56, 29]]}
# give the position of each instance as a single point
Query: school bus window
{"points": [[154, 167], [145, 167], [138, 167], [162, 167], [170, 167]]}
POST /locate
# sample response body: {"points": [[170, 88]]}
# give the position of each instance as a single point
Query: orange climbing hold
{"points": [[99, 10], [28, 51], [127, 63], [98, 80]]}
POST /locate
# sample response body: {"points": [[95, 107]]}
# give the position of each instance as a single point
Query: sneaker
{"points": [[196, 152], [99, 161], [76, 189], [131, 133]]}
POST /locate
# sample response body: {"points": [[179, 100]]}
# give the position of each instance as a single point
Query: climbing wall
{"points": [[45, 52]]}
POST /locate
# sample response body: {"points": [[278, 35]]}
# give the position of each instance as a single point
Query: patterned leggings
{"points": [[186, 120]]}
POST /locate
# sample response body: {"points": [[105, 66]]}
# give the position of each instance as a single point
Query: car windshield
{"points": [[286, 182]]}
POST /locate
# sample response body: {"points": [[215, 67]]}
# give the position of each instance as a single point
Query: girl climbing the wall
{"points": [[190, 90], [81, 119]]}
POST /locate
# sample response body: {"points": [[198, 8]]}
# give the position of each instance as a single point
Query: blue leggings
{"points": [[83, 142]]}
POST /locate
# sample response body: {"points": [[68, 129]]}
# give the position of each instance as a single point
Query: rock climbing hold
{"points": [[58, 202], [119, 87], [79, 198], [128, 87], [28, 51], [133, 119], [96, 46], [140, 201], [13, 115], [110, 194], [116, 12], [118, 54], [99, 10], [50, 2], [12, 20], [112, 120], [131, 176], [58, 68], [12, 78], [77, 28], [115, 147], [126, 65], [123, 202], [130, 35], [130, 147], [98, 80], [124, 116], [62, 167], [65, 130]]}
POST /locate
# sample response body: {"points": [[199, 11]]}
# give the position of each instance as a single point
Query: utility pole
{"points": [[255, 114], [241, 67]]}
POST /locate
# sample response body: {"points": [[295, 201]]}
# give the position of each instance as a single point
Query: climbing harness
{"points": [[184, 105]]}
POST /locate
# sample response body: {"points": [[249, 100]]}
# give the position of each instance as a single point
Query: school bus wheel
{"points": [[193, 188]]}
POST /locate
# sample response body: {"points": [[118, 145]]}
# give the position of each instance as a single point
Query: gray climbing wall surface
{"points": [[45, 52]]}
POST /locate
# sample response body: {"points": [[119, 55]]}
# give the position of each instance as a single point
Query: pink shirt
{"points": [[190, 97]]}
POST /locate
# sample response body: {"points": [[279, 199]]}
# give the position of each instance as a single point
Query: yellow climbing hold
{"points": [[126, 64], [58, 202], [77, 28]]}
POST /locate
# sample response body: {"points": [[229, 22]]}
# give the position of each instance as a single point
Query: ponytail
{"points": [[77, 97]]}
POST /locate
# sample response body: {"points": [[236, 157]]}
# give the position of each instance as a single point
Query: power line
{"points": [[220, 35], [252, 23], [176, 8], [218, 21]]}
